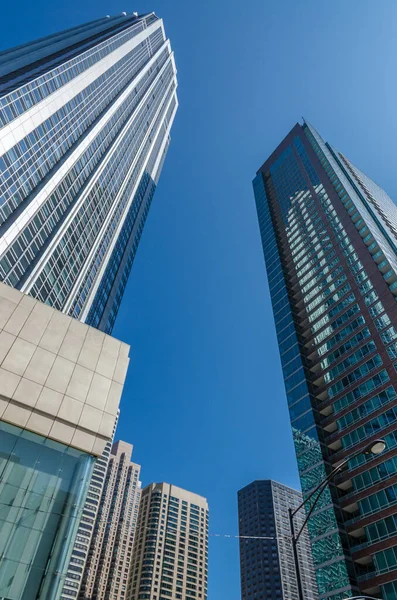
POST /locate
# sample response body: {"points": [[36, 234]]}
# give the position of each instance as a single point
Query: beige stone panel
{"points": [[27, 392], [10, 293], [107, 424], [114, 397], [99, 446], [40, 365], [3, 406], [8, 383], [36, 323], [7, 307], [106, 364], [49, 401], [78, 328], [6, 341], [79, 383], [111, 345], [60, 375], [73, 342], [91, 418], [61, 432], [19, 356], [83, 440], [55, 332], [40, 424], [89, 355], [124, 350], [98, 391], [28, 302], [55, 367], [16, 414], [17, 319], [70, 410], [120, 371], [95, 337]]}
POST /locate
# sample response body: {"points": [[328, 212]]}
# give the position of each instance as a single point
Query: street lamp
{"points": [[375, 448]]}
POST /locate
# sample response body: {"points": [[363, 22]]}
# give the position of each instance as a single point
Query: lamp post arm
{"points": [[324, 482], [323, 485]]}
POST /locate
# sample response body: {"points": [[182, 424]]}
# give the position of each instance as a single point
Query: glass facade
{"points": [[85, 119], [329, 236], [267, 566], [43, 485]]}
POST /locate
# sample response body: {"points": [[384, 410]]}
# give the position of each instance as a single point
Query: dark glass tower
{"points": [[267, 565], [85, 119], [329, 236]]}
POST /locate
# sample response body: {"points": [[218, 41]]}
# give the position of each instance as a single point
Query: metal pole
{"points": [[295, 553]]}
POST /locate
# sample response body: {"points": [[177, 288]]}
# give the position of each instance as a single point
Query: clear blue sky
{"points": [[204, 402]]}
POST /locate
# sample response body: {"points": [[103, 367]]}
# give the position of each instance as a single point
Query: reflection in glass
{"points": [[41, 498]]}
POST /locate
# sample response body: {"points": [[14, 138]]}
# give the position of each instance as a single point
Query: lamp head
{"points": [[376, 447]]}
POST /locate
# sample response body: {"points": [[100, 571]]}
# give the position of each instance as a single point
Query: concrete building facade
{"points": [[267, 565], [170, 555], [85, 531], [60, 388], [109, 559]]}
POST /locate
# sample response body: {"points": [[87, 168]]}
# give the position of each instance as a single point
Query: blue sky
{"points": [[204, 402]]}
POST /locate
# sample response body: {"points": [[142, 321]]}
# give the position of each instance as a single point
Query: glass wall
{"points": [[42, 491]]}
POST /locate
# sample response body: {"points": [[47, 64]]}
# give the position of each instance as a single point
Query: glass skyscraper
{"points": [[329, 236], [266, 559], [85, 119]]}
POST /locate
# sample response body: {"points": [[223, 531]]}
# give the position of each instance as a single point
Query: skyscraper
{"points": [[170, 555], [329, 236], [85, 531], [85, 118], [267, 565], [110, 552]]}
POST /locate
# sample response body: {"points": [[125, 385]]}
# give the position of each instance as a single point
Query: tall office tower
{"points": [[79, 554], [267, 565], [329, 236], [170, 554], [108, 565], [85, 118], [60, 387]]}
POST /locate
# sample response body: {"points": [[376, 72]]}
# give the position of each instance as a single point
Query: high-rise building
{"points": [[60, 388], [85, 531], [266, 557], [170, 554], [85, 119], [109, 560], [329, 236]]}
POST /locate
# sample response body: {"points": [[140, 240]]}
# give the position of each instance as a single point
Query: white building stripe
{"points": [[105, 261], [60, 232], [15, 131], [10, 235]]}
